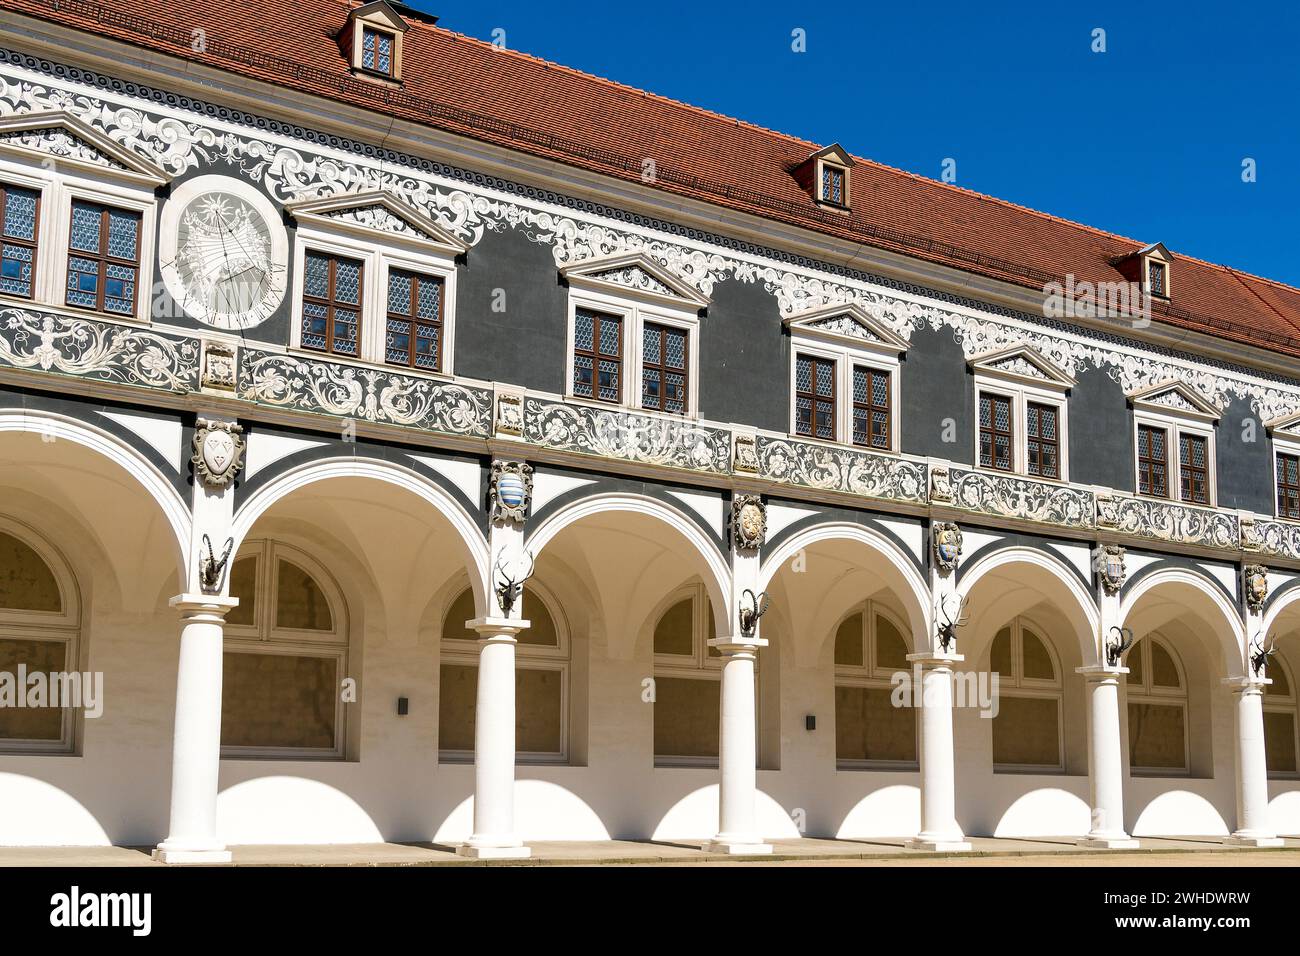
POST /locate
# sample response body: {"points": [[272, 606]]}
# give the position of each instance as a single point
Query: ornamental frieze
{"points": [[1175, 523], [1278, 538], [1009, 497], [372, 395], [645, 439], [841, 469], [120, 354], [469, 205]]}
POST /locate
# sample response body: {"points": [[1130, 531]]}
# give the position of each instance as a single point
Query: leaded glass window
{"points": [[1153, 461], [103, 258], [1156, 274], [377, 51], [1042, 440], [414, 332], [995, 431], [598, 356], [870, 407], [1288, 486], [19, 213], [663, 368], [832, 185], [331, 303], [1193, 472], [814, 397]]}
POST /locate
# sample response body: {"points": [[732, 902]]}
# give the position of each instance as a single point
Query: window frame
{"points": [[1034, 688], [823, 165], [34, 244], [1149, 693], [846, 357], [662, 367], [466, 653], [264, 636], [1021, 394], [419, 279], [1174, 427], [331, 303], [834, 400], [1289, 705], [1289, 445], [378, 259], [64, 626], [634, 311], [365, 29], [872, 676]]}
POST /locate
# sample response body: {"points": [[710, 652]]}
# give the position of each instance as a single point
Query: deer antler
{"points": [[508, 587], [210, 568], [1120, 641], [758, 604], [1259, 657]]}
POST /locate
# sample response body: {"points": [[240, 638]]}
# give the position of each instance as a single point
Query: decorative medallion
{"points": [[219, 366], [940, 483], [745, 454], [1250, 537], [1254, 586], [510, 490], [1109, 565], [748, 522], [218, 451], [947, 544], [510, 414], [224, 252], [1107, 511]]}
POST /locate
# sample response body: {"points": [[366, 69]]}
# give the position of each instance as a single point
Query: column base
{"points": [[1245, 838], [213, 857], [1104, 842], [738, 847], [494, 852], [938, 844]]}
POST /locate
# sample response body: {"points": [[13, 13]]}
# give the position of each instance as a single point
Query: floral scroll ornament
{"points": [[218, 451], [1254, 586], [947, 544], [510, 490], [748, 522]]}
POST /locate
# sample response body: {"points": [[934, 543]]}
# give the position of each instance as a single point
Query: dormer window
{"points": [[1151, 267], [372, 40], [1156, 278], [378, 51], [825, 176]]}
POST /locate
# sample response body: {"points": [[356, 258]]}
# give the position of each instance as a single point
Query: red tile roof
{"points": [[469, 87]]}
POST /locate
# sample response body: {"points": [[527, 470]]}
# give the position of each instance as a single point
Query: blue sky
{"points": [[1146, 139]]}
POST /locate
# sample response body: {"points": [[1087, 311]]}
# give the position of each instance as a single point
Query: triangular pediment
{"points": [[834, 153], [379, 212], [59, 134], [849, 324], [1025, 363], [1175, 396], [1288, 425], [637, 272], [380, 12]]}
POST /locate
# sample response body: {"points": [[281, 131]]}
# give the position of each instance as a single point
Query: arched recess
{"points": [[53, 428], [864, 562], [1012, 581], [469, 542], [661, 527], [1173, 595]]}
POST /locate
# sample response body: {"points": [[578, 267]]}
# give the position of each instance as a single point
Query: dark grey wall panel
{"points": [[524, 344], [1101, 432], [935, 385], [1245, 460], [744, 358]]}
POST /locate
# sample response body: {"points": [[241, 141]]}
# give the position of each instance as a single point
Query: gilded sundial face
{"points": [[224, 252]]}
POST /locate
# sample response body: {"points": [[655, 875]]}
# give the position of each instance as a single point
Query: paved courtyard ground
{"points": [[1164, 851]]}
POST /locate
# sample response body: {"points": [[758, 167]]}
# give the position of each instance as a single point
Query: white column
{"points": [[737, 750], [1105, 760], [1254, 827], [196, 739], [494, 836], [939, 829]]}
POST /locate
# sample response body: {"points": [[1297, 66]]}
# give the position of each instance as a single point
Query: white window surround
{"points": [[1159, 254], [1148, 693], [1178, 409], [423, 247], [63, 626], [265, 636], [377, 15], [1016, 684], [101, 172], [849, 337], [1285, 435], [870, 674], [1023, 375], [644, 292], [465, 653]]}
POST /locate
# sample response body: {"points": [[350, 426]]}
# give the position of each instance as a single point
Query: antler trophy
{"points": [[752, 607], [210, 567], [1119, 641], [1259, 656], [947, 630], [508, 587]]}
